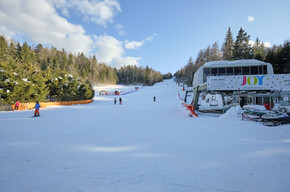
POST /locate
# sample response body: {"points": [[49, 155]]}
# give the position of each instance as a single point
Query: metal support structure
{"points": [[196, 92], [186, 94]]}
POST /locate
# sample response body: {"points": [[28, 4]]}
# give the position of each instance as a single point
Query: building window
{"points": [[230, 70], [246, 70], [254, 70], [222, 71], [214, 72], [266, 100], [206, 72], [237, 71], [265, 69], [259, 101], [261, 69]]}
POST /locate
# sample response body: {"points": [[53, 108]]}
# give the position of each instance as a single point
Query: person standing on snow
{"points": [[154, 98], [120, 101], [115, 100], [36, 107], [16, 105]]}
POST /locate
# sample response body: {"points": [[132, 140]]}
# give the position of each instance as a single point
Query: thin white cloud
{"points": [[101, 12], [121, 30], [98, 11], [60, 4], [123, 61], [251, 18], [133, 44], [150, 38], [138, 44], [266, 44], [38, 22], [109, 50]]}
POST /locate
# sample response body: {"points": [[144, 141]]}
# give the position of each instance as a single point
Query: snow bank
{"points": [[210, 102], [140, 145], [233, 113]]}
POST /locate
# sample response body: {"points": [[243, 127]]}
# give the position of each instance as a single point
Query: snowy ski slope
{"points": [[142, 146]]}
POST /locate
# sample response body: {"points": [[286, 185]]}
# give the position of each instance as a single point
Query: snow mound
{"points": [[233, 113]]}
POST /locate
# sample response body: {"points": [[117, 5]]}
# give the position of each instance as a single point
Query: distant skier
{"points": [[120, 101], [115, 100], [16, 105], [154, 98], [36, 107]]}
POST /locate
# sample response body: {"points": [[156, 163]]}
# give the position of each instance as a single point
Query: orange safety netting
{"points": [[188, 107], [26, 106]]}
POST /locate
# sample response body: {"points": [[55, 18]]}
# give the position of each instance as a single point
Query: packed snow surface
{"points": [[142, 146]]}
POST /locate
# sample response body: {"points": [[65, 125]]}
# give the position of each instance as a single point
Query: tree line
{"points": [[240, 48], [46, 74], [138, 75]]}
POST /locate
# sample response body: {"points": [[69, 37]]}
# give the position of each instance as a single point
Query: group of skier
{"points": [[120, 100], [36, 107]]}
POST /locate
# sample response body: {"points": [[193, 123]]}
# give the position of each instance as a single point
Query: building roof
{"points": [[245, 62]]}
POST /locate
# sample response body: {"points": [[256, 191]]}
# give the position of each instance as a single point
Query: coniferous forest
{"points": [[240, 48], [41, 74]]}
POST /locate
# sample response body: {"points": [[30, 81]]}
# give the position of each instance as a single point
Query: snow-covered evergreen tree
{"points": [[242, 47], [228, 46], [259, 50]]}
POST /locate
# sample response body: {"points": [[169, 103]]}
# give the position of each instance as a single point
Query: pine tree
{"points": [[285, 57], [242, 48], [259, 50], [215, 53], [228, 46], [189, 71], [3, 48], [272, 57]]}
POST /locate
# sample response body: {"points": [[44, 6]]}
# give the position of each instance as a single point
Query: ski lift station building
{"points": [[228, 77], [229, 68]]}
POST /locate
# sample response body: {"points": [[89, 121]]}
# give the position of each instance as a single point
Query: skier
{"points": [[154, 98], [120, 101], [16, 105], [36, 107], [115, 100]]}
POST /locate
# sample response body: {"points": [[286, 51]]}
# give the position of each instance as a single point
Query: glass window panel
{"points": [[254, 70], [266, 100], [265, 69], [259, 101], [206, 72], [214, 72], [222, 71], [260, 69], [246, 70], [237, 71], [230, 70]]}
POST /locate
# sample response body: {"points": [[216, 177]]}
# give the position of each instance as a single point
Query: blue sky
{"points": [[162, 34]]}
